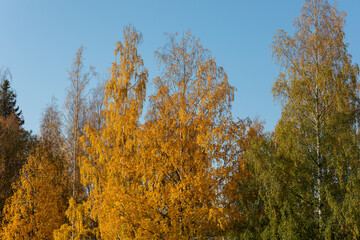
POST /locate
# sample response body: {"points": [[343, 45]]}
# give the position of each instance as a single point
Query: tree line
{"points": [[107, 167]]}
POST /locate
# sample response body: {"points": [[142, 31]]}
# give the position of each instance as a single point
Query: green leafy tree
{"points": [[309, 167], [247, 219]]}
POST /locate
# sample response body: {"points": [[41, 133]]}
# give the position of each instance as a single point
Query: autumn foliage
{"points": [[175, 164]]}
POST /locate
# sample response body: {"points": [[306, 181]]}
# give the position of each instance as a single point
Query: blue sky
{"points": [[39, 40]]}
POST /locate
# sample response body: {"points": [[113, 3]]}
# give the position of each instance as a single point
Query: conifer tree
{"points": [[8, 98], [15, 142]]}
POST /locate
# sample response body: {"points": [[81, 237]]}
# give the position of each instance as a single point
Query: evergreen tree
{"points": [[15, 142], [8, 98]]}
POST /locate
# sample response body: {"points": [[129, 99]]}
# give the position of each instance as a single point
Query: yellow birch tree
{"points": [[184, 160], [110, 169], [39, 203]]}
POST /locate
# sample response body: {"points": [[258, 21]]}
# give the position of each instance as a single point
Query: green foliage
{"points": [[308, 168]]}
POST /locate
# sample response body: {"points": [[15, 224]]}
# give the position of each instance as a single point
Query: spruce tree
{"points": [[8, 99], [15, 142]]}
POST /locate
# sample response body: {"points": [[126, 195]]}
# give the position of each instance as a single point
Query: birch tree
{"points": [[183, 142], [112, 168], [40, 197], [76, 117], [312, 171]]}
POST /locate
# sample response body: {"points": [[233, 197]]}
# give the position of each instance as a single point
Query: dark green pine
{"points": [[8, 102]]}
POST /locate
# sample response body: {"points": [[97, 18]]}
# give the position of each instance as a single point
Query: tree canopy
{"points": [[134, 158]]}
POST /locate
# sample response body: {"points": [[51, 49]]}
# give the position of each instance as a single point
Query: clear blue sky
{"points": [[39, 40]]}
